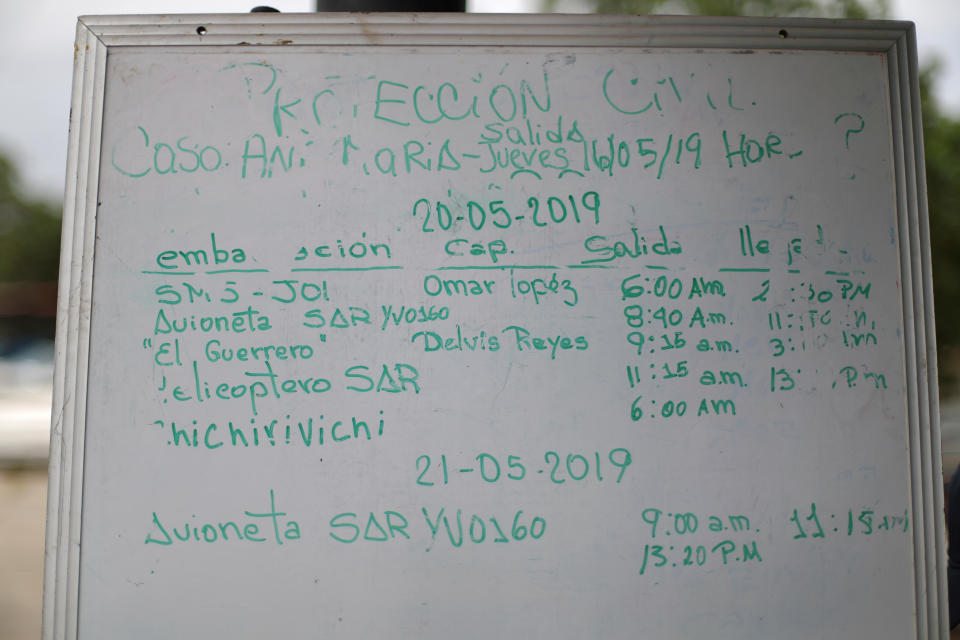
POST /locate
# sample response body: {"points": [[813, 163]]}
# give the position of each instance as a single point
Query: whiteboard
{"points": [[487, 326]]}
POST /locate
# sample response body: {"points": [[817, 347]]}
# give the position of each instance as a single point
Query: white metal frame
{"points": [[97, 35]]}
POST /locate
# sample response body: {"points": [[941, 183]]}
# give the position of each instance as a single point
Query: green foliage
{"points": [[941, 137], [29, 232]]}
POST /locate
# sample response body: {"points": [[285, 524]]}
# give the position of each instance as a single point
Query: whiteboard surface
{"points": [[619, 379]]}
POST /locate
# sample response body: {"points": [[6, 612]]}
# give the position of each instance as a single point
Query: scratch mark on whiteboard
{"points": [[506, 381]]}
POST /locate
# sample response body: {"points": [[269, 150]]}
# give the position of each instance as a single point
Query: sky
{"points": [[37, 65]]}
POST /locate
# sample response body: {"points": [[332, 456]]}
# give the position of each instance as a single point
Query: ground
{"points": [[23, 503]]}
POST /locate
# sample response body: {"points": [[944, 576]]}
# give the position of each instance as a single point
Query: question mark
{"points": [[849, 131]]}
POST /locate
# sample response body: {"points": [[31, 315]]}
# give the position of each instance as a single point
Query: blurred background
{"points": [[37, 73]]}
